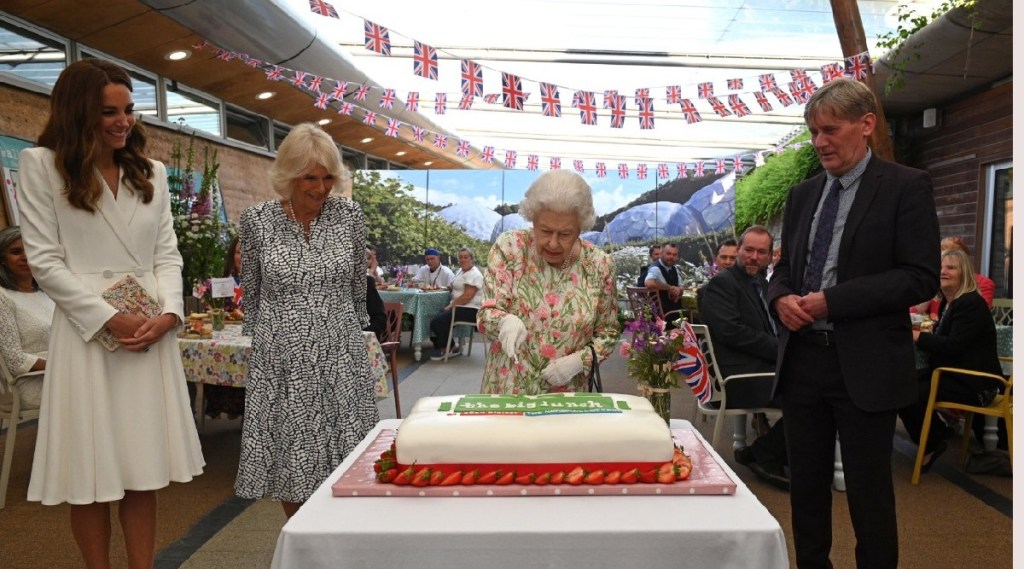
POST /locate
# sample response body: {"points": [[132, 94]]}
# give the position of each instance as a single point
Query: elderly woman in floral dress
{"points": [[549, 294]]}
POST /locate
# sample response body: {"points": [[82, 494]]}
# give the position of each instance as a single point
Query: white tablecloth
{"points": [[559, 532]]}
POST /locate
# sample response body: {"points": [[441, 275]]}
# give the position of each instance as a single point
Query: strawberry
{"points": [[684, 472], [575, 476], [649, 477], [405, 477], [542, 479], [421, 478], [596, 477], [388, 476], [436, 477], [667, 473], [558, 477], [525, 479], [452, 479], [382, 465], [613, 477], [469, 478], [489, 478], [506, 479], [630, 476]]}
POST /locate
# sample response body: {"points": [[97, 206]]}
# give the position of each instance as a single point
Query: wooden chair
{"points": [[739, 386], [12, 413], [462, 325], [1002, 311], [1001, 406], [643, 300], [392, 339]]}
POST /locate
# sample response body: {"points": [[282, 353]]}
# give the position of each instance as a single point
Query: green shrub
{"points": [[761, 195]]}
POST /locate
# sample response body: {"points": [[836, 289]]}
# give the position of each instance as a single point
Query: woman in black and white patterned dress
{"points": [[309, 393]]}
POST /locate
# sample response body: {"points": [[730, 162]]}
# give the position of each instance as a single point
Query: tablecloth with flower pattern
{"points": [[223, 359]]}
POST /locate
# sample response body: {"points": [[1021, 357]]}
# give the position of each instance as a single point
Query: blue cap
{"points": [[431, 252]]}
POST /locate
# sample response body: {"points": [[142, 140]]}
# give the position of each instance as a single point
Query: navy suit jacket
{"points": [[888, 261], [739, 327]]}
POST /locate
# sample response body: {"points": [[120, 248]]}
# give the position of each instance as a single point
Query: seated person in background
{"points": [[375, 310], [467, 294], [25, 316], [225, 398], [744, 334], [653, 254], [965, 337], [433, 275], [373, 268], [663, 276], [725, 258], [986, 286]]}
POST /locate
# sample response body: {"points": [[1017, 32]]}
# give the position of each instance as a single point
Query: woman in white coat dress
{"points": [[114, 426]]}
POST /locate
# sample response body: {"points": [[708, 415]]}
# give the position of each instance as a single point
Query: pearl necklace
{"points": [[305, 228], [568, 258]]}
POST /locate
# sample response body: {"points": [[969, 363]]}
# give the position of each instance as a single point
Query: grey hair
{"points": [[7, 237], [468, 252], [305, 147], [562, 191], [844, 98]]}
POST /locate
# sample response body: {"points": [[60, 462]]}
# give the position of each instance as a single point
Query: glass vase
{"points": [[217, 318], [661, 400]]}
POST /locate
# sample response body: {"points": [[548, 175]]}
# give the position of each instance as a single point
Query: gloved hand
{"points": [[561, 371], [511, 334]]}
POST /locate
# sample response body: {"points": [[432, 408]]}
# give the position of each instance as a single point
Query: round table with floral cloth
{"points": [[223, 360], [422, 306]]}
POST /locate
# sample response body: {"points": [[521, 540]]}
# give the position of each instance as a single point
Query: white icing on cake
{"points": [[627, 429]]}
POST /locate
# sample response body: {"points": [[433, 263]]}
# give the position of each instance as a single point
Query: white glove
{"points": [[511, 334], [561, 371]]}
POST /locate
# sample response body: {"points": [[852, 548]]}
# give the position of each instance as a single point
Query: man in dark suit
{"points": [[745, 339], [860, 244]]}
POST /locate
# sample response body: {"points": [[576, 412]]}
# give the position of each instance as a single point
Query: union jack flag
{"points": [[601, 169], [377, 39], [412, 102], [623, 171], [418, 133], [512, 89], [532, 161], [578, 166], [857, 65], [734, 84], [225, 55], [796, 90], [698, 169], [767, 81], [673, 94], [463, 148], [691, 365], [831, 71], [491, 98], [300, 79], [362, 92], [370, 118], [387, 100], [619, 111], [705, 90], [663, 170], [555, 163], [322, 8], [798, 75], [393, 127], [440, 140], [346, 108], [642, 93], [321, 101], [646, 113], [783, 97], [690, 112], [339, 90], [641, 171], [315, 83], [737, 163], [472, 78], [510, 158], [720, 166], [424, 60], [252, 62], [466, 102], [680, 169], [200, 46], [488, 154], [274, 73], [550, 103], [808, 87], [609, 97], [719, 107], [441, 103], [762, 100], [588, 107], [738, 106]]}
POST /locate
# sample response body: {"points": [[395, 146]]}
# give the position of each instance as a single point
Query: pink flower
{"points": [[495, 347], [624, 350], [548, 351], [551, 298], [543, 313]]}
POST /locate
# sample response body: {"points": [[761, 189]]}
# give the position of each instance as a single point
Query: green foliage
{"points": [[896, 41], [401, 227], [761, 194]]}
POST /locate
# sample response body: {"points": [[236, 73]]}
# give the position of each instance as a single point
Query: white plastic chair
{"points": [[462, 325], [12, 413]]}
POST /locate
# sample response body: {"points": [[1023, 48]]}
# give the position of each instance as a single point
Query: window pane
{"points": [[280, 131], [1000, 259], [30, 56], [247, 127], [193, 110]]}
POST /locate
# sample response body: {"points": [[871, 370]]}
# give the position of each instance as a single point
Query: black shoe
{"points": [[744, 455], [939, 449], [777, 479]]}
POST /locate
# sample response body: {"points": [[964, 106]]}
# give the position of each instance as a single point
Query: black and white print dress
{"points": [[309, 394]]}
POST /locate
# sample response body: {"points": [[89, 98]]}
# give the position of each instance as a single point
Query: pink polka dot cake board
{"points": [[707, 478]]}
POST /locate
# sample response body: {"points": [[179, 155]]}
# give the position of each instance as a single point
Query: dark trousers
{"points": [[439, 324], [816, 406], [950, 389]]}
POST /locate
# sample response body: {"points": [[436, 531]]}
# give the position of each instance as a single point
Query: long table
{"points": [[422, 306], [596, 532]]}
